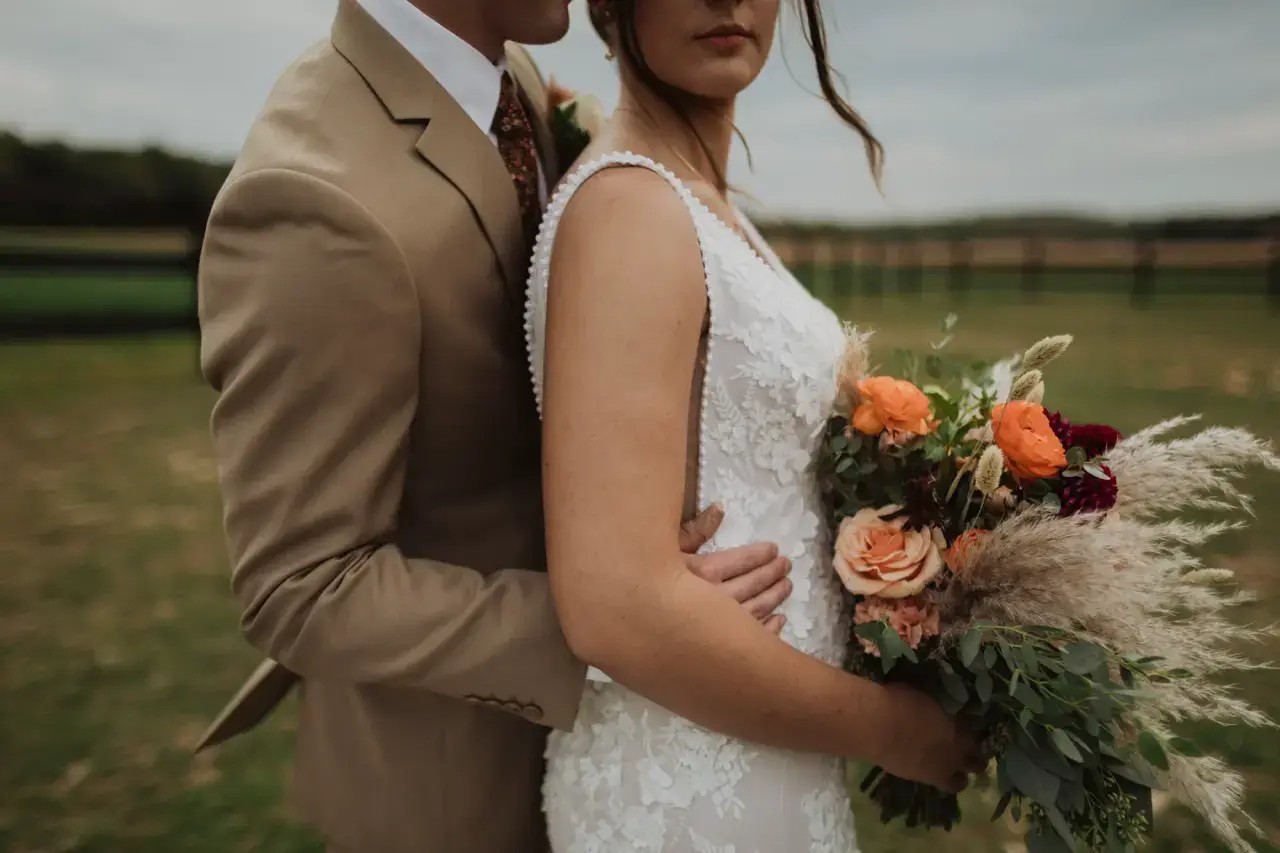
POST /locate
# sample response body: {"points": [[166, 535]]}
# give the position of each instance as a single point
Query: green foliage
{"points": [[570, 139], [1068, 761]]}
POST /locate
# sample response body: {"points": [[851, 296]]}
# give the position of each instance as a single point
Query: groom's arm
{"points": [[311, 334]]}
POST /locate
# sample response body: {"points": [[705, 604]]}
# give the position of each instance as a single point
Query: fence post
{"points": [[1033, 257], [1273, 274], [961, 267], [844, 254], [874, 283], [823, 268], [1144, 270], [910, 259]]}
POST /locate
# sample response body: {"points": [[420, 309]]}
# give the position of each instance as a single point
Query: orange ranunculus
{"points": [[1022, 431], [876, 554], [957, 557], [885, 403]]}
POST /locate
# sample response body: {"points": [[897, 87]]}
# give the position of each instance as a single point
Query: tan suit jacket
{"points": [[361, 292]]}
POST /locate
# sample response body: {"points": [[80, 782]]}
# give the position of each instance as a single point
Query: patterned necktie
{"points": [[514, 135]]}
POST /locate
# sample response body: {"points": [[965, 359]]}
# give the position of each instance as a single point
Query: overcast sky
{"points": [[1112, 106]]}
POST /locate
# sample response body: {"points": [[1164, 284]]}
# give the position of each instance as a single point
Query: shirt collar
{"points": [[469, 78]]}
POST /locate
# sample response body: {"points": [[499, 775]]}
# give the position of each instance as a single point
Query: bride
{"points": [[677, 363]]}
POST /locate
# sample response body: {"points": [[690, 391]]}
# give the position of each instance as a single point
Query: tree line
{"points": [[53, 184]]}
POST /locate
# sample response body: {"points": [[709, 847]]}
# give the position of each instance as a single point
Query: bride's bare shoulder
{"points": [[624, 214]]}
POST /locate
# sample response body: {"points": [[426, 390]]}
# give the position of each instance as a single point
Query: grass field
{"points": [[118, 635]]}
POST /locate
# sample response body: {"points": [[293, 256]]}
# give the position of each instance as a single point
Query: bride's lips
{"points": [[727, 36]]}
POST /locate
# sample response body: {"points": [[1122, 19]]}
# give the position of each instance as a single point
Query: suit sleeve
{"points": [[311, 333]]}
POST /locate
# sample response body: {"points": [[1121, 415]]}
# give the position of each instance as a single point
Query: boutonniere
{"points": [[575, 120]]}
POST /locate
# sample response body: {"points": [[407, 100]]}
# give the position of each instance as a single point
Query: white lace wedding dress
{"points": [[632, 776]]}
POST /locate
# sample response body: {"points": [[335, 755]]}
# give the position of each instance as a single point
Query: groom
{"points": [[361, 293]]}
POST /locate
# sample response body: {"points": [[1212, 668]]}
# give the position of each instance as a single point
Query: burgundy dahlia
{"points": [[1096, 439], [1089, 493], [1061, 428]]}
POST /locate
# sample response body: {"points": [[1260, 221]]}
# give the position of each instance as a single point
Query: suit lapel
{"points": [[451, 143], [465, 156]]}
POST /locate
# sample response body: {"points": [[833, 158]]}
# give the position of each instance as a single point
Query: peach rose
{"points": [[885, 403], [879, 556], [1022, 431], [961, 551], [913, 619]]}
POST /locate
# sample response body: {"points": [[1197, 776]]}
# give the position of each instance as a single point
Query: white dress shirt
{"points": [[464, 72]]}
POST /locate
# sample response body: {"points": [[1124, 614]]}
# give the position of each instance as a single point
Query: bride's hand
{"points": [[754, 575], [929, 745]]}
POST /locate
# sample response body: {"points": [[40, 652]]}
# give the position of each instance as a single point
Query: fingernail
{"points": [[787, 570]]}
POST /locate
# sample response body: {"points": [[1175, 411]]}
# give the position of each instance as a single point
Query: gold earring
{"points": [[609, 55]]}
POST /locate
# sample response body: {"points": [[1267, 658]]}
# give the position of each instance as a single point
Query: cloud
{"points": [[1142, 106]]}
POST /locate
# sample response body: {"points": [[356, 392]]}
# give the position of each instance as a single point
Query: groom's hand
{"points": [[754, 575]]}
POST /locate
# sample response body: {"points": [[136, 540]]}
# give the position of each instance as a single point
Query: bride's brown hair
{"points": [[621, 14]]}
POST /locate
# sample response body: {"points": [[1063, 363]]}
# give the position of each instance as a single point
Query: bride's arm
{"points": [[626, 300]]}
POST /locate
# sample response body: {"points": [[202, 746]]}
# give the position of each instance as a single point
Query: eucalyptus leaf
{"points": [[983, 686], [1052, 503], [1024, 719], [1082, 658], [870, 630], [1064, 745], [1136, 771], [1150, 748], [844, 464], [970, 645], [955, 687], [1030, 779], [1077, 457], [1027, 695], [1095, 470], [1059, 824], [1186, 747], [1031, 661]]}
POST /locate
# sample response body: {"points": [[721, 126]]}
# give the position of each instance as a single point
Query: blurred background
{"points": [[1109, 170]]}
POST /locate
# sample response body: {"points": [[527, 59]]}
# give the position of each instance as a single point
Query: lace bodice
{"points": [[632, 776]]}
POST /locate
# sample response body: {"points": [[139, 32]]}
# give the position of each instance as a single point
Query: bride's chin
{"points": [[722, 80]]}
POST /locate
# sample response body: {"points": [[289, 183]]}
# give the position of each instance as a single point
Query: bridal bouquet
{"points": [[1038, 578]]}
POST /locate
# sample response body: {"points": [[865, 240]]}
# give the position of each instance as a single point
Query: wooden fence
{"points": [[48, 264], [872, 263], [829, 262]]}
